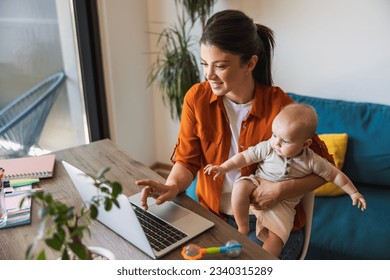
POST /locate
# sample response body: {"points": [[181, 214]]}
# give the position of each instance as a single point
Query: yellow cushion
{"points": [[337, 146]]}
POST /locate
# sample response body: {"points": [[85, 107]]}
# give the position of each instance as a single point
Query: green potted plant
{"points": [[176, 69], [197, 9], [63, 227]]}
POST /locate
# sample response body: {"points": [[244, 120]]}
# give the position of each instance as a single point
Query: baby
{"points": [[284, 156]]}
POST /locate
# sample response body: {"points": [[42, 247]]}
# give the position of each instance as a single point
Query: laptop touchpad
{"points": [[169, 212]]}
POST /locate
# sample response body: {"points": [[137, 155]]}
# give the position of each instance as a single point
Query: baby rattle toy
{"points": [[194, 252]]}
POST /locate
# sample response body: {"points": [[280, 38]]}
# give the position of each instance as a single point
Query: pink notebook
{"points": [[28, 167]]}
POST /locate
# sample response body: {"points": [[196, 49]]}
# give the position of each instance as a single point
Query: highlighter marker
{"points": [[22, 182]]}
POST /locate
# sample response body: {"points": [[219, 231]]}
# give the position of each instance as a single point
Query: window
{"points": [[41, 37]]}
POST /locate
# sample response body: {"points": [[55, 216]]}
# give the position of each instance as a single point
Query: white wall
{"points": [[326, 48], [330, 48], [125, 46], [161, 14]]}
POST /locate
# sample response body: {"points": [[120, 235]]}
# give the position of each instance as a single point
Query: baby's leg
{"points": [[273, 244], [241, 192]]}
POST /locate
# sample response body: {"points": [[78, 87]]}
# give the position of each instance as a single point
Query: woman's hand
{"points": [[157, 190], [178, 181], [266, 195]]}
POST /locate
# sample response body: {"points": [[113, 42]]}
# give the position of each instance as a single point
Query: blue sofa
{"points": [[339, 230]]}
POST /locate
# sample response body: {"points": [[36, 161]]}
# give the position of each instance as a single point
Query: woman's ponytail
{"points": [[262, 72]]}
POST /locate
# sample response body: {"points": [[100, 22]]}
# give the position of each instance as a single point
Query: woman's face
{"points": [[225, 73]]}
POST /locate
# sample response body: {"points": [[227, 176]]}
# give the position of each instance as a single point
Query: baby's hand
{"points": [[219, 170], [358, 199]]}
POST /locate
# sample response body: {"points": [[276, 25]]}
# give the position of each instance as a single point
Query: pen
{"points": [[19, 192]]}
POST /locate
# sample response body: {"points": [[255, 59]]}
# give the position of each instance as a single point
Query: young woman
{"points": [[225, 115]]}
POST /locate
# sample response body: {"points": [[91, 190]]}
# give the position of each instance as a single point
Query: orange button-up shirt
{"points": [[205, 137]]}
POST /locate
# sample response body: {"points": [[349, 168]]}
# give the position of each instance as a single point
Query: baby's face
{"points": [[286, 139]]}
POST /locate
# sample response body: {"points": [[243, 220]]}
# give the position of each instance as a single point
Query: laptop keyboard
{"points": [[160, 234]]}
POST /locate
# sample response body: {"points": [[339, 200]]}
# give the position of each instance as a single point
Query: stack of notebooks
{"points": [[22, 172], [18, 215]]}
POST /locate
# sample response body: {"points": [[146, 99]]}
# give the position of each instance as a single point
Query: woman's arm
{"points": [[186, 155], [270, 193], [178, 181]]}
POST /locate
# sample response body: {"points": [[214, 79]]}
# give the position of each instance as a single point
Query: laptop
{"points": [[175, 225]]}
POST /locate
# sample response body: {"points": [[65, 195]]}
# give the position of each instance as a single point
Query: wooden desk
{"points": [[91, 158]]}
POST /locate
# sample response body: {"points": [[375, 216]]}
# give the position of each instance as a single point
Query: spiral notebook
{"points": [[28, 167]]}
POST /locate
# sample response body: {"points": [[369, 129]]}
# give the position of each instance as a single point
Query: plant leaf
{"points": [[60, 229], [54, 243], [175, 69], [107, 204], [93, 211], [65, 255], [104, 189], [48, 198], [41, 255], [78, 232], [60, 235], [80, 250]]}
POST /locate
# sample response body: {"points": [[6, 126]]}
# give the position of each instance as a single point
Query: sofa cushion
{"points": [[337, 146], [367, 125], [342, 231]]}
